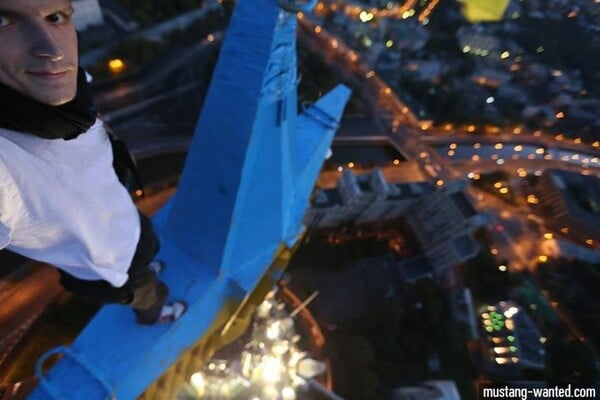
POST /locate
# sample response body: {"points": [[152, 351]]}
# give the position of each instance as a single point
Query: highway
{"points": [[390, 113]]}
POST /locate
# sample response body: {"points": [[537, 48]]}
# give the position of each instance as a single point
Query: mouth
{"points": [[49, 75]]}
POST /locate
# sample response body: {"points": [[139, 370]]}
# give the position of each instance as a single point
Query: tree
{"points": [[352, 357], [570, 360]]}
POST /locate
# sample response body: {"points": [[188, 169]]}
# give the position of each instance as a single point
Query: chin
{"points": [[53, 93], [56, 99], [60, 102]]}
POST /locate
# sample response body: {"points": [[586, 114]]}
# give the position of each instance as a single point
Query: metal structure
{"points": [[228, 231]]}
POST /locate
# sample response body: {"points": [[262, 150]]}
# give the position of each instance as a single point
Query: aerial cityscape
{"points": [[453, 237]]}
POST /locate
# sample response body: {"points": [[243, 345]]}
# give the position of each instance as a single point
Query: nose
{"points": [[45, 44]]}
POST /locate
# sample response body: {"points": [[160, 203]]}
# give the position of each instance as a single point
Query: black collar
{"points": [[22, 113]]}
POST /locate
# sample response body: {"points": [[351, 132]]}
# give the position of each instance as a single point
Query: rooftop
{"points": [[581, 194], [465, 207]]}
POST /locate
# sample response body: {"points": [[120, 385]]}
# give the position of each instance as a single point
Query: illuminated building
{"points": [[511, 338], [424, 70], [442, 219], [571, 200], [407, 35], [473, 40], [491, 78], [270, 365], [362, 199], [443, 223]]}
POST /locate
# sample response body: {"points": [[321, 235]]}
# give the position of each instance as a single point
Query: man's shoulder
{"points": [[5, 177], [5, 148]]}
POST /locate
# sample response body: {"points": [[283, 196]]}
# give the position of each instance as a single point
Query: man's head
{"points": [[38, 49]]}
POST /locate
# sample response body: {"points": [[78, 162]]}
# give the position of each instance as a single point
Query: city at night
{"points": [[342, 199]]}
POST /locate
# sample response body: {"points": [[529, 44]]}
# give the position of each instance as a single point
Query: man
{"points": [[60, 199]]}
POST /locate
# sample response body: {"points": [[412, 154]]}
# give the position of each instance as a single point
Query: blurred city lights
{"points": [[365, 16], [270, 365]]}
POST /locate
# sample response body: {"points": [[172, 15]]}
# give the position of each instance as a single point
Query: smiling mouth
{"points": [[48, 74]]}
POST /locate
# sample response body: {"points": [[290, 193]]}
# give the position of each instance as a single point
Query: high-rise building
{"points": [[570, 203], [443, 220], [362, 199], [443, 223]]}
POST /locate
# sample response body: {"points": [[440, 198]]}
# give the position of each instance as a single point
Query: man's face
{"points": [[38, 49]]}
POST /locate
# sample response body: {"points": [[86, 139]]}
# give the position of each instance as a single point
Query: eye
{"points": [[58, 18], [5, 21]]}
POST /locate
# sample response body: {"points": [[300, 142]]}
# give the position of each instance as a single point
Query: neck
{"points": [[22, 113]]}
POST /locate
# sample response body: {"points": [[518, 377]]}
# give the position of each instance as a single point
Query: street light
{"points": [[116, 65]]}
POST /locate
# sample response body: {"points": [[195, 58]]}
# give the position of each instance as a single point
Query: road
{"points": [[23, 300], [393, 115], [515, 238], [530, 152], [175, 71], [153, 33]]}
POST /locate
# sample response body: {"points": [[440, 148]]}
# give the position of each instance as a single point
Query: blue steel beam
{"points": [[251, 168]]}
